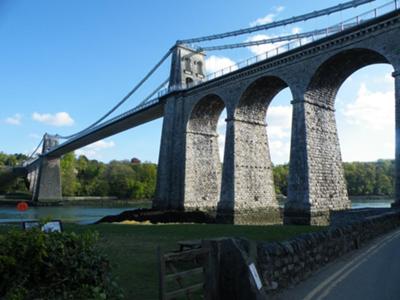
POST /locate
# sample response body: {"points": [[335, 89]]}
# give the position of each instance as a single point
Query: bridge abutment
{"points": [[316, 178], [171, 161]]}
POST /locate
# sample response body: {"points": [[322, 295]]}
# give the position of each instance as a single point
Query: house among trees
{"points": [[135, 161]]}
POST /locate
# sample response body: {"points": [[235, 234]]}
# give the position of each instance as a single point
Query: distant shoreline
{"points": [[71, 201]]}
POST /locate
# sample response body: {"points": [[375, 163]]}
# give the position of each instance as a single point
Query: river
{"points": [[88, 214]]}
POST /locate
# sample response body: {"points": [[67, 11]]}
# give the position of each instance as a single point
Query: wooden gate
{"points": [[183, 274]]}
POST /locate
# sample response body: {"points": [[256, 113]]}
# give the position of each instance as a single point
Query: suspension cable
{"points": [[123, 100], [34, 151], [153, 93], [296, 19], [290, 37]]}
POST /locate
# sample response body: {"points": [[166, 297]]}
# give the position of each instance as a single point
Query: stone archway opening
{"points": [[203, 167], [326, 180], [221, 131], [279, 127], [248, 193], [365, 119]]}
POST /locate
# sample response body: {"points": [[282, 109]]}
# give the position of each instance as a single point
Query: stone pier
{"points": [[316, 177], [47, 187]]}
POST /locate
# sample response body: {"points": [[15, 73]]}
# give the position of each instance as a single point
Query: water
{"points": [[90, 214], [371, 203], [70, 214]]}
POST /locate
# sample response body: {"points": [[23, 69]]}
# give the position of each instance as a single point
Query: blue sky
{"points": [[65, 63]]}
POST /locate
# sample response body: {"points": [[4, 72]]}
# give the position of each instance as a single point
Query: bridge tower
{"points": [[187, 67], [47, 187]]}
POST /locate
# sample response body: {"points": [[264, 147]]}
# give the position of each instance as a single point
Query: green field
{"points": [[132, 248]]}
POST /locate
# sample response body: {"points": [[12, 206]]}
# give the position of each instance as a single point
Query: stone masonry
{"points": [[252, 199], [47, 187], [189, 175], [203, 167]]}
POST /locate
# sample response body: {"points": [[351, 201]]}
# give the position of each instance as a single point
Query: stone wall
{"points": [[283, 264]]}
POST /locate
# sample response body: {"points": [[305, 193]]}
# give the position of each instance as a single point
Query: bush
{"points": [[37, 265]]}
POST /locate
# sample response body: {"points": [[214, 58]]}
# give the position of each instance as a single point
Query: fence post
{"points": [[161, 274]]}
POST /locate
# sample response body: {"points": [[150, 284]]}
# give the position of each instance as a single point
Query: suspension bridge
{"points": [[312, 64]]}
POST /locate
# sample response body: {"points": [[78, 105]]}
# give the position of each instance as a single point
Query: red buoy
{"points": [[22, 206]]}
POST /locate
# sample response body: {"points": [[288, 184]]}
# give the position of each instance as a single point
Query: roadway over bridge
{"points": [[190, 177]]}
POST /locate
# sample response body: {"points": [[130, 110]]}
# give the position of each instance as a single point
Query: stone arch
{"points": [[316, 177], [248, 194], [257, 96], [332, 73], [202, 163]]}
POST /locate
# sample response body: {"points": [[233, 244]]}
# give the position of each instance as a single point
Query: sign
{"points": [[51, 226], [255, 275], [22, 206]]}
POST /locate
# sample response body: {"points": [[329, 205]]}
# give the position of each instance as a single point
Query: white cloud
{"points": [[261, 49], [57, 119], [216, 63], [269, 18], [14, 120], [221, 146], [279, 120], [386, 79], [92, 151], [373, 110], [277, 132], [221, 129], [264, 20], [280, 151], [280, 116], [296, 30]]}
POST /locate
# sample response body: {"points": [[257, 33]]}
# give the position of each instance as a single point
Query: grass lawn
{"points": [[132, 248]]}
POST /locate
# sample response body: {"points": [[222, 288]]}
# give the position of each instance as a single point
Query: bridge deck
{"points": [[122, 123]]}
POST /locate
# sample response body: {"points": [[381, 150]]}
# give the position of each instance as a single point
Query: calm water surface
{"points": [[74, 214], [90, 214]]}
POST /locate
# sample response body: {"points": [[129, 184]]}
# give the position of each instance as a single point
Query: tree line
{"points": [[81, 176], [123, 179], [362, 178], [134, 180]]}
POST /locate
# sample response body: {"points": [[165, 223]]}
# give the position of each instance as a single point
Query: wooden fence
{"points": [[183, 274]]}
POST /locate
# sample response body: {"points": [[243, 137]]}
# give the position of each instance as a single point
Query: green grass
{"points": [[132, 248]]}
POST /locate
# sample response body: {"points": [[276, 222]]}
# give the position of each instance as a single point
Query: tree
{"points": [[69, 181], [281, 173]]}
